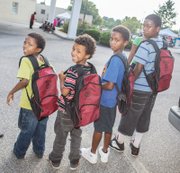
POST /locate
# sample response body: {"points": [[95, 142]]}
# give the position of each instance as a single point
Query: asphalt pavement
{"points": [[160, 148]]}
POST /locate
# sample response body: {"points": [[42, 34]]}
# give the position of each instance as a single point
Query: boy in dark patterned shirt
{"points": [[83, 49]]}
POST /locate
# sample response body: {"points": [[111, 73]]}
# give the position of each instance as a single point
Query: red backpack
{"points": [[44, 88], [160, 79], [85, 106]]}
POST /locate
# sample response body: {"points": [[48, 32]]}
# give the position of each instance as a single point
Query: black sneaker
{"points": [[114, 144], [134, 150], [39, 156], [74, 164], [19, 157], [55, 165], [1, 135]]}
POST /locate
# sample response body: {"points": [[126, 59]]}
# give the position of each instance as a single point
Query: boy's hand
{"points": [[62, 76], [10, 98]]}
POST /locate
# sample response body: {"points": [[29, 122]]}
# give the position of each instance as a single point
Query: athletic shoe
{"points": [[134, 150], [74, 164], [39, 156], [54, 165], [1, 135], [104, 156], [18, 156], [114, 144], [88, 155]]}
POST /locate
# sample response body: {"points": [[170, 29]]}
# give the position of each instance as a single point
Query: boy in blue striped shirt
{"points": [[136, 122]]}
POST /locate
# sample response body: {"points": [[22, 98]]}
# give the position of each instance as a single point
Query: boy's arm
{"points": [[107, 86], [64, 91], [138, 69], [132, 53], [20, 85]]}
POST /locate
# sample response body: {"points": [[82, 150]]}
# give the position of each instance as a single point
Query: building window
{"points": [[43, 11], [15, 7]]}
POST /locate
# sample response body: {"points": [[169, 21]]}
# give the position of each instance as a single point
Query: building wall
{"points": [[42, 11], [45, 9], [21, 14], [24, 10]]}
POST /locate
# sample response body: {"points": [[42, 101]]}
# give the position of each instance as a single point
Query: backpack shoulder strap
{"points": [[79, 69], [123, 59], [93, 69], [20, 60], [125, 63], [157, 59], [46, 62], [33, 61], [154, 44]]}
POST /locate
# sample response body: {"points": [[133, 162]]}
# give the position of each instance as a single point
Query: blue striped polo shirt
{"points": [[145, 55]]}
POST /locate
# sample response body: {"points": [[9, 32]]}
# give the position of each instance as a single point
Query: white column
{"points": [[73, 24], [52, 11]]}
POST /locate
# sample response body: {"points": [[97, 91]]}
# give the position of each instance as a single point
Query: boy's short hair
{"points": [[87, 41], [124, 31], [155, 18], [39, 40]]}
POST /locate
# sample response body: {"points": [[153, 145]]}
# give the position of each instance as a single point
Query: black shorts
{"points": [[106, 121], [138, 116]]}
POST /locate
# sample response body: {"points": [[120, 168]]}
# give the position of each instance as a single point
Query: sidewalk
{"points": [[175, 50], [60, 34]]}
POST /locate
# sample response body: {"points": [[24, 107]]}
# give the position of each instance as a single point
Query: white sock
{"points": [[137, 139], [133, 136], [120, 137]]}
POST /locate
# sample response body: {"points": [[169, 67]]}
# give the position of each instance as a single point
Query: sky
{"points": [[118, 9]]}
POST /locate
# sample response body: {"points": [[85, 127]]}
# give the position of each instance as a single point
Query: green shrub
{"points": [[82, 27], [93, 33], [65, 27], [104, 38]]}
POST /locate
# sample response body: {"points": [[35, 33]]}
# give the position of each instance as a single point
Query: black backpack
{"points": [[124, 97]]}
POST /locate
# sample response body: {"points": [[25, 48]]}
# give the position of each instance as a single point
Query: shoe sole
{"points": [[135, 156], [73, 169], [50, 162], [119, 151], [101, 156], [56, 168], [89, 161]]}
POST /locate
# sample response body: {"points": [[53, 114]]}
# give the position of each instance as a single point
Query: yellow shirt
{"points": [[25, 71]]}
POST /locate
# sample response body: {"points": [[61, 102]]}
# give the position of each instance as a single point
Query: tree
{"points": [[89, 8], [167, 14], [132, 23]]}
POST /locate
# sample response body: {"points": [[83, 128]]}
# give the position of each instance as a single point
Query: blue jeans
{"points": [[31, 129]]}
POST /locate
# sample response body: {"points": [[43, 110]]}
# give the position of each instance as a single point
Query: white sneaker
{"points": [[104, 156], [88, 155]]}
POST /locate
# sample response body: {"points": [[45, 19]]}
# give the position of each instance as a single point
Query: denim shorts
{"points": [[106, 120], [138, 116]]}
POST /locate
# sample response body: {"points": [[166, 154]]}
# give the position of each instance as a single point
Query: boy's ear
{"points": [[87, 56], [158, 29], [38, 50], [126, 43]]}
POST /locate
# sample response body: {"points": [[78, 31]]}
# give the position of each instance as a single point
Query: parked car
{"points": [[174, 116]]}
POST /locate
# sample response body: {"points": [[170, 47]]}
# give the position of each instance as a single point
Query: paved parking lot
{"points": [[160, 150]]}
